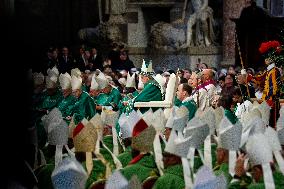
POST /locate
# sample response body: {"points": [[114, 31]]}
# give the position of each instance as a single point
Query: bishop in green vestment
{"points": [[143, 163], [109, 95], [173, 173], [151, 90], [66, 106], [84, 106]]}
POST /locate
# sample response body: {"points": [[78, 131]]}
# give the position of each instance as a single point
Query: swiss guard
{"points": [[151, 90], [271, 94]]}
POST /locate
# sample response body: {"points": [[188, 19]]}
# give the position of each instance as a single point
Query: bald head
{"points": [[207, 74]]}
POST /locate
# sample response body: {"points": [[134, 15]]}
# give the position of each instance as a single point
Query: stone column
{"points": [[231, 9]]}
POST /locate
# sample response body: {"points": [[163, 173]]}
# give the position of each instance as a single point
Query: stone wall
{"points": [[231, 9], [186, 58], [137, 34]]}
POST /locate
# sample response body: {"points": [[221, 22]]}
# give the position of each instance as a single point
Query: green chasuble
{"points": [[231, 116], [108, 141], [107, 99], [50, 102], [98, 172], [86, 88], [66, 106], [84, 108], [101, 99], [151, 92], [125, 157], [144, 168], [177, 102], [172, 178]]}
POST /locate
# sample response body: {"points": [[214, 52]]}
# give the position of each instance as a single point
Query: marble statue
{"points": [[202, 19], [115, 9]]}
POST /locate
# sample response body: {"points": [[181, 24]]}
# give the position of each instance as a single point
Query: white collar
{"points": [[186, 99], [269, 67]]}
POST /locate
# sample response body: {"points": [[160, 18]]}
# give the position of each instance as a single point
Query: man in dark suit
{"points": [[96, 61], [66, 62], [113, 56], [81, 61]]}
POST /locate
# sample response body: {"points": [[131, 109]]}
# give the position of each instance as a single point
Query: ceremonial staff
{"points": [[241, 59]]}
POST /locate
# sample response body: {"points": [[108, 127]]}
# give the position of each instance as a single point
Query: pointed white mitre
{"points": [[127, 123], [134, 117], [243, 108], [264, 109], [208, 117], [102, 80], [248, 117], [76, 83], [98, 123], [122, 81], [147, 69], [180, 119], [194, 122], [206, 179], [259, 150], [124, 126], [130, 82], [94, 83], [110, 117], [230, 135], [255, 125], [273, 139], [53, 72], [148, 117], [219, 114], [76, 72], [38, 78], [69, 174], [116, 181], [177, 145], [65, 81], [159, 120], [170, 114], [50, 82], [197, 134], [198, 131]]}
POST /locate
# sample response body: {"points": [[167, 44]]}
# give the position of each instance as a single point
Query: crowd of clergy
{"points": [[135, 128]]}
